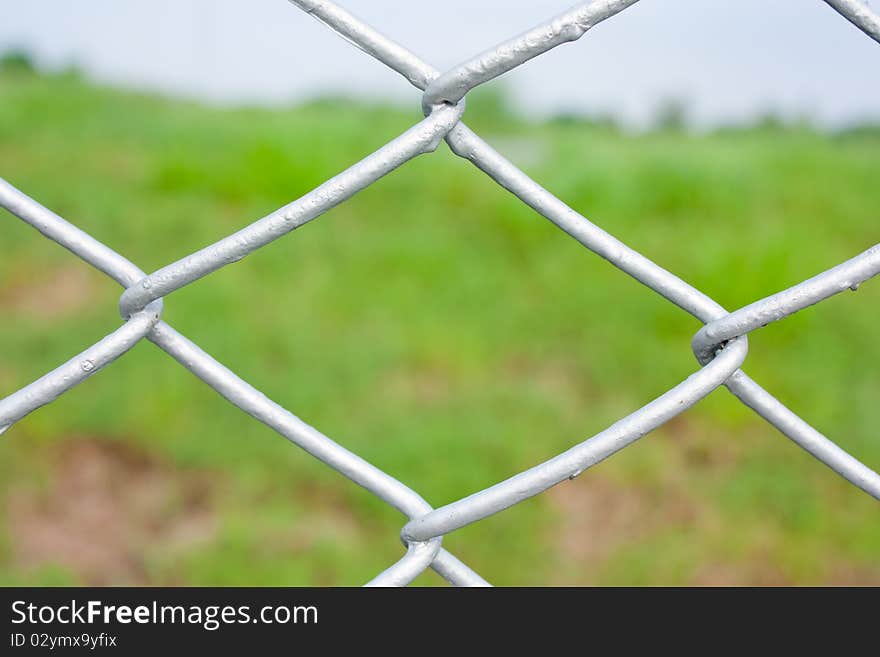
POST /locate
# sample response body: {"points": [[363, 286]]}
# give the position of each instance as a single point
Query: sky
{"points": [[728, 60]]}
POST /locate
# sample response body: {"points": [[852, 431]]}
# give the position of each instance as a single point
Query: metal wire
{"points": [[720, 346]]}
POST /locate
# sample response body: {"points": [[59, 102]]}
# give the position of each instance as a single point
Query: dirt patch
{"points": [[760, 568], [7, 380], [106, 508], [600, 515], [701, 447], [426, 385], [755, 571], [556, 378], [852, 575], [52, 294]]}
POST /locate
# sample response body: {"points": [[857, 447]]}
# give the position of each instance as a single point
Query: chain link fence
{"points": [[720, 346]]}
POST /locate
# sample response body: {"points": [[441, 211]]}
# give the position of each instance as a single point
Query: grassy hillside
{"points": [[440, 329]]}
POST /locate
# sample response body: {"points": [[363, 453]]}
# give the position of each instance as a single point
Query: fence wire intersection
{"points": [[720, 346]]}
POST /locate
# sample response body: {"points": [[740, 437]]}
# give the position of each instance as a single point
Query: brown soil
{"points": [[105, 509], [600, 515], [52, 294]]}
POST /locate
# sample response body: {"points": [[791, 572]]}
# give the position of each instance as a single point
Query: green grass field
{"points": [[439, 328]]}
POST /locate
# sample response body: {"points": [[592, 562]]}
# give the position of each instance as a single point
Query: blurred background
{"points": [[434, 324]]}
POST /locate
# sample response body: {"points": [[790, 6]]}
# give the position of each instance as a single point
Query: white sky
{"points": [[729, 59]]}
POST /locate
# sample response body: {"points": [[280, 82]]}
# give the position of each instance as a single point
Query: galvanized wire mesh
{"points": [[720, 346]]}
